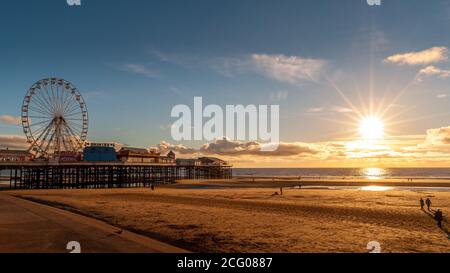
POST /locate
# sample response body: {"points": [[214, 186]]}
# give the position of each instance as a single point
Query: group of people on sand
{"points": [[438, 216]]}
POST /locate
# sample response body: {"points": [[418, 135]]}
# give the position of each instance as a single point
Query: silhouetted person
{"points": [[428, 203], [152, 187], [438, 216], [281, 190], [422, 203]]}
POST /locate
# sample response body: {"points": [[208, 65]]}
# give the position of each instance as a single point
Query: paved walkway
{"points": [[28, 227]]}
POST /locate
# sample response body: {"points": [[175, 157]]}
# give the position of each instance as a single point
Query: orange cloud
{"points": [[13, 142]]}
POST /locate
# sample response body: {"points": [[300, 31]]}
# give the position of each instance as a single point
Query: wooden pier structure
{"points": [[83, 175]]}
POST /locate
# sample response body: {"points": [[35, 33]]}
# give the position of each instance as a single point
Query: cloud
{"points": [[341, 109], [315, 110], [428, 56], [432, 71], [435, 146], [139, 69], [439, 136], [230, 67], [432, 149], [227, 147], [13, 142], [165, 147], [10, 119], [441, 96], [332, 110], [291, 69], [161, 56]]}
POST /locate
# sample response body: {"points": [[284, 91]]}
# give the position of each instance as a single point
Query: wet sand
{"points": [[233, 216]]}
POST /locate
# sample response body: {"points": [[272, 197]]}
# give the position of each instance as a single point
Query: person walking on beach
{"points": [[422, 203], [428, 203], [438, 216], [152, 187], [281, 190]]}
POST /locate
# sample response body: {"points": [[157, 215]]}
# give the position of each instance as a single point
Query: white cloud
{"points": [[341, 109], [433, 71], [230, 67], [13, 142], [441, 96], [330, 110], [290, 69], [165, 147], [161, 56], [428, 56], [10, 119], [139, 69]]}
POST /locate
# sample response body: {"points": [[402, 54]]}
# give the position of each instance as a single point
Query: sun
{"points": [[371, 128]]}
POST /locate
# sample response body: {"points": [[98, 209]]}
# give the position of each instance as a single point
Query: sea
{"points": [[322, 174], [347, 173], [339, 173]]}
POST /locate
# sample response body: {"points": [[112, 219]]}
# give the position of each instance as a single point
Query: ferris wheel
{"points": [[54, 117]]}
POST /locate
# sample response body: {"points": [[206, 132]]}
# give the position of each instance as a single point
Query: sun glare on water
{"points": [[376, 188], [371, 128]]}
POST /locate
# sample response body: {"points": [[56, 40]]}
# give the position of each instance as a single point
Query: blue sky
{"points": [[134, 60]]}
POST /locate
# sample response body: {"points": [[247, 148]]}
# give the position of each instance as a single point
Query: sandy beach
{"points": [[241, 216]]}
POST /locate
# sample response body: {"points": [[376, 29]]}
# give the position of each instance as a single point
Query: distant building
{"points": [[171, 154], [99, 154], [67, 157], [212, 161], [188, 162], [168, 159], [114, 145], [136, 155], [141, 155], [15, 156]]}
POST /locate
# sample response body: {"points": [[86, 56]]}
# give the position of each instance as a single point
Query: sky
{"points": [[328, 64]]}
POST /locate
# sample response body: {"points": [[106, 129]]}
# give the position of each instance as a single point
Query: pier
{"points": [[83, 175]]}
